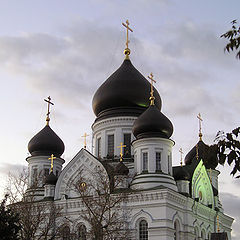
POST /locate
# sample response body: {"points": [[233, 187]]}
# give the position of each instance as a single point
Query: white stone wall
{"points": [[40, 163], [183, 186], [160, 208], [117, 126]]}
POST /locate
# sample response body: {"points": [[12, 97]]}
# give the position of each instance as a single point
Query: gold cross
{"points": [[51, 158], [152, 98], [121, 150], [200, 126], [181, 152], [48, 109], [85, 139], [127, 50]]}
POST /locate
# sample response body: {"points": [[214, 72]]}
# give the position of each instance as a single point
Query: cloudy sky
{"points": [[66, 49]]}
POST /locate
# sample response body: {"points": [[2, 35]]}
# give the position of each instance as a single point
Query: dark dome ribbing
{"points": [[152, 123], [181, 174], [45, 143], [51, 179], [121, 169], [125, 92], [204, 153]]}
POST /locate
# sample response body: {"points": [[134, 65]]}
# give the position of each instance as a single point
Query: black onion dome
{"points": [[45, 143], [152, 123], [125, 92], [202, 150], [181, 174], [205, 153], [121, 169], [51, 179]]}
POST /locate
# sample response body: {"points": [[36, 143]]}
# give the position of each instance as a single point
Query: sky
{"points": [[67, 49]]}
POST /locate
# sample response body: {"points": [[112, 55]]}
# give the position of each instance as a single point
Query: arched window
{"points": [[176, 230], [143, 230], [82, 232], [196, 233], [203, 235], [65, 233]]}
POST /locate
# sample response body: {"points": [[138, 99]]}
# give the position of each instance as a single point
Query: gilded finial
{"points": [[121, 150], [181, 152], [48, 109], [51, 158], [127, 50], [85, 140], [197, 151], [200, 126], [218, 225], [152, 98], [83, 186]]}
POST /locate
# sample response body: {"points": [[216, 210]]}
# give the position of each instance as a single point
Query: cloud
{"points": [[231, 207], [70, 66], [73, 64], [6, 168], [193, 72]]}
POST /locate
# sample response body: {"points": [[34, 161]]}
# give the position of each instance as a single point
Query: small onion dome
{"points": [[125, 92], [202, 148], [51, 179], [121, 169], [204, 153], [152, 123], [45, 143], [181, 174]]}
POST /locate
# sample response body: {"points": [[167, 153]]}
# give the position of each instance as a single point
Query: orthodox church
{"points": [[132, 137]]}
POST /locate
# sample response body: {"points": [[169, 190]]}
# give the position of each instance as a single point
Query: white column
{"points": [[151, 159], [117, 140], [104, 143]]}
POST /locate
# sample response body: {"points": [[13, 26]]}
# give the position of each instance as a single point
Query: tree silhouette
{"points": [[233, 36], [9, 222]]}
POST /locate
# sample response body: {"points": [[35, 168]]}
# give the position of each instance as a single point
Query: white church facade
{"points": [[165, 202]]}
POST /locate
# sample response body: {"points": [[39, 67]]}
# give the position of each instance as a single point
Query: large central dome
{"points": [[125, 92]]}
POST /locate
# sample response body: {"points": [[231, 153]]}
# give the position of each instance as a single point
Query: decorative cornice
{"points": [[112, 121]]}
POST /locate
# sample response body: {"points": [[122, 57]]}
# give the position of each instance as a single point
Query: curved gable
{"points": [[201, 185], [83, 164]]}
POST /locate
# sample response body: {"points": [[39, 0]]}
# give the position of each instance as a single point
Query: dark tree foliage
{"points": [[9, 222], [227, 149], [233, 37]]}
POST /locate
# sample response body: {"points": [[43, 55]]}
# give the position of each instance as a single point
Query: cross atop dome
{"points": [[152, 98], [181, 152], [200, 126], [121, 150], [85, 139], [51, 158], [127, 50], [48, 109]]}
